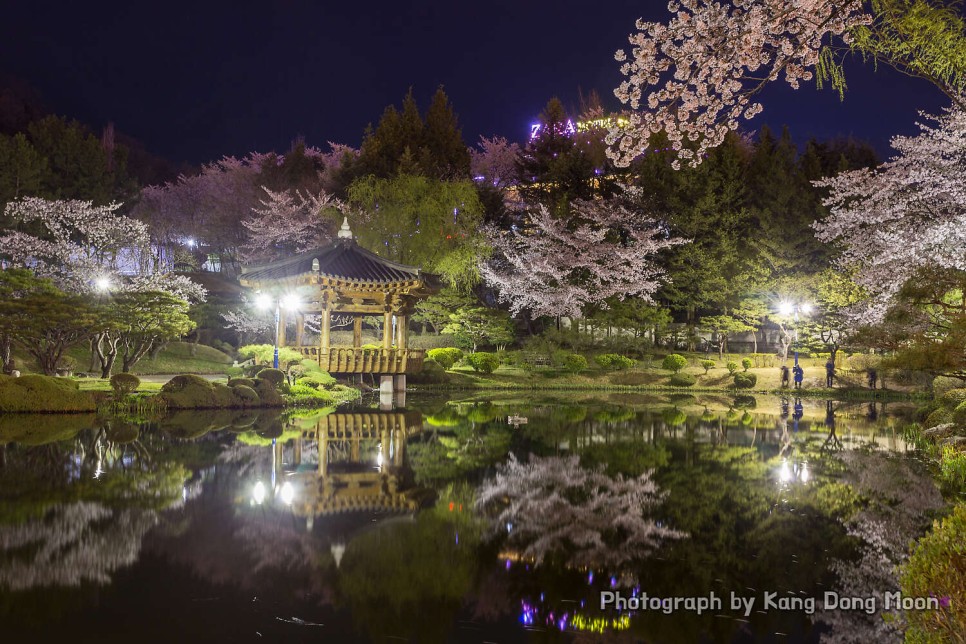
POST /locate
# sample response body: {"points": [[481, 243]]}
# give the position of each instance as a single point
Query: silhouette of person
{"points": [[797, 413], [873, 377], [829, 372], [784, 370], [799, 376]]}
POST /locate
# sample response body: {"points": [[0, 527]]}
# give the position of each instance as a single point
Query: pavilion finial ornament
{"points": [[344, 232]]}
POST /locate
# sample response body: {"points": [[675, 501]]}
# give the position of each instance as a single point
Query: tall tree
{"points": [[696, 77], [558, 265]]}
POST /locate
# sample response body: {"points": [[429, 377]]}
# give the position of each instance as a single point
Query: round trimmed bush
{"points": [[959, 415], [445, 357], [745, 380], [682, 380], [938, 417], [732, 366], [746, 363], [43, 393], [674, 416], [574, 363], [245, 394], [274, 376], [708, 365], [317, 380], [674, 362], [745, 401], [954, 397], [432, 374], [124, 384], [247, 382], [483, 361]]}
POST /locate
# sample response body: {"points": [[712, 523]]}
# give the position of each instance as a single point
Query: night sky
{"points": [[195, 81]]}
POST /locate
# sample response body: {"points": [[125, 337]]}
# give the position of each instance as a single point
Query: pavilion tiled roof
{"points": [[344, 259]]}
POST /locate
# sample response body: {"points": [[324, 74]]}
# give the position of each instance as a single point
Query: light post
{"points": [[265, 301], [791, 310]]}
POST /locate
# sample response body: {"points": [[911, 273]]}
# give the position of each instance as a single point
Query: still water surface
{"points": [[445, 522]]}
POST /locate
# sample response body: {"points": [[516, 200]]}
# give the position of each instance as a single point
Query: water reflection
{"points": [[381, 524]]}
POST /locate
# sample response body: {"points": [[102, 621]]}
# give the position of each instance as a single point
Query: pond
{"points": [[627, 517]]}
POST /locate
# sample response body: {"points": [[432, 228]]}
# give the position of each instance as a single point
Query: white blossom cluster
{"points": [[80, 244], [557, 265], [694, 77], [553, 506], [287, 220], [71, 544], [908, 213]]}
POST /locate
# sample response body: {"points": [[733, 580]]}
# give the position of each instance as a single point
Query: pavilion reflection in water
{"points": [[349, 462]]}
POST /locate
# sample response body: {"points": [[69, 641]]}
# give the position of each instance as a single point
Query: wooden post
{"points": [[387, 330], [402, 322], [356, 331], [299, 329], [324, 341]]}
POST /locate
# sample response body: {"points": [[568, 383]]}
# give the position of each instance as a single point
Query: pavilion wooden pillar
{"points": [[356, 331], [402, 330], [299, 329], [387, 329], [324, 337]]}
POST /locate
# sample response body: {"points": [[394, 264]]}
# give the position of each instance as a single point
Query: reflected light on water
{"points": [[785, 473], [287, 493], [258, 493]]}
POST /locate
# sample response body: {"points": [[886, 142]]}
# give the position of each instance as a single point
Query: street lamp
{"points": [[792, 309], [289, 301]]}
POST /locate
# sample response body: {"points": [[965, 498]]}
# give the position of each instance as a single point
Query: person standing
{"points": [[829, 372], [799, 376], [873, 377], [784, 370]]}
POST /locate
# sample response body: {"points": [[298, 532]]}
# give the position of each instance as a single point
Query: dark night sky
{"points": [[198, 80]]}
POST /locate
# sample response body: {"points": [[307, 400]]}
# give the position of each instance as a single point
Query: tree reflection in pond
{"points": [[554, 506]]}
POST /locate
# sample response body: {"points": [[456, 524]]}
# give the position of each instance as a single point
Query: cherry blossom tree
{"points": [[695, 77], [496, 161], [288, 222], [558, 265], [553, 506], [907, 214]]}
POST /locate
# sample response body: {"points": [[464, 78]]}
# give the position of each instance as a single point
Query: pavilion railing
{"points": [[356, 360]]}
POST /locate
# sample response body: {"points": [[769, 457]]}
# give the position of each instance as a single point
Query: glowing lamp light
{"points": [[290, 302], [263, 301], [804, 474], [103, 284], [258, 493], [786, 308], [287, 493], [785, 473], [805, 308], [379, 460]]}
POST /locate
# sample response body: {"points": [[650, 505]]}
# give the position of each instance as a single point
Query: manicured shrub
{"points": [[265, 354], [674, 416], [708, 365], [189, 391], [483, 362], [959, 415], [745, 380], [245, 395], [318, 380], [248, 382], [300, 394], [445, 357], [682, 380], [674, 362], [953, 398], [746, 363], [118, 431], [732, 367], [938, 417], [274, 376], [268, 393], [613, 361], [942, 384], [124, 384], [43, 393], [936, 569], [574, 363], [745, 401], [432, 374]]}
